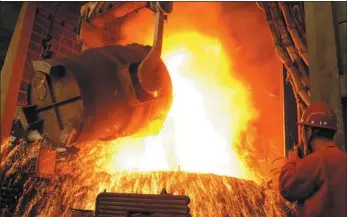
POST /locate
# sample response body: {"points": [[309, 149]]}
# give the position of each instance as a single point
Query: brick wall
{"points": [[64, 38], [9, 12]]}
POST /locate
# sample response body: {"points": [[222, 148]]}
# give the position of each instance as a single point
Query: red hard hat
{"points": [[319, 115]]}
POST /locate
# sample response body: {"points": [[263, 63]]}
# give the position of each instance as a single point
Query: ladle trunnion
{"points": [[95, 95]]}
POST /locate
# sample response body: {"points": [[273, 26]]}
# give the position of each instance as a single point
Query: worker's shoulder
{"points": [[332, 156], [333, 149], [313, 159], [315, 156]]}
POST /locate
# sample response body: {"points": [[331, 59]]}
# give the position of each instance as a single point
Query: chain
{"points": [[46, 42]]}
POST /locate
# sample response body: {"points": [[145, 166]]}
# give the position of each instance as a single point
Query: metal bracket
{"points": [[147, 68]]}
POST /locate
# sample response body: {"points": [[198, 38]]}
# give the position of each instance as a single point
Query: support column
{"points": [[12, 70], [323, 58], [340, 12]]}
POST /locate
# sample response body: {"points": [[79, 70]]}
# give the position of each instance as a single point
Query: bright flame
{"points": [[210, 114], [210, 111]]}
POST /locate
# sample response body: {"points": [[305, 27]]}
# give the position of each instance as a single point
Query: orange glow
{"points": [[210, 111], [197, 152]]}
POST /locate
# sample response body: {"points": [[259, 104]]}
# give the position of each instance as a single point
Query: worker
{"points": [[316, 180]]}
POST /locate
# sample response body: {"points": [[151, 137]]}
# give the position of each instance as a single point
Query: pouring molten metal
{"points": [[209, 113], [195, 154]]}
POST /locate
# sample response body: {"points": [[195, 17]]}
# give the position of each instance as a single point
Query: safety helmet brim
{"points": [[316, 125]]}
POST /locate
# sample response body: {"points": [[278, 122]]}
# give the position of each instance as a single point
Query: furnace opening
{"points": [[214, 143]]}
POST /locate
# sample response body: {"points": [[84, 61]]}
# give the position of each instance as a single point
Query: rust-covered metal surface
{"points": [[121, 204], [95, 95]]}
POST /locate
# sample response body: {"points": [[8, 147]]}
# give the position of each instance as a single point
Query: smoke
{"points": [[255, 59]]}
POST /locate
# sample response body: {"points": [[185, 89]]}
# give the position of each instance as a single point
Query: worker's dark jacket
{"points": [[317, 182]]}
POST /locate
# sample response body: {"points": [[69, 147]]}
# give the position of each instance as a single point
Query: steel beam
{"points": [[323, 59], [12, 70], [340, 12]]}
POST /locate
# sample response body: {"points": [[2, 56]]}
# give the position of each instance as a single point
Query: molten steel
{"points": [[211, 195], [208, 120]]}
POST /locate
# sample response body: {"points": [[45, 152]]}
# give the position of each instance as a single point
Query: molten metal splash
{"points": [[209, 117], [211, 195], [210, 112]]}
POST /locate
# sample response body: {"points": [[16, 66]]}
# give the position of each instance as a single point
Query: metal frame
{"points": [[13, 68]]}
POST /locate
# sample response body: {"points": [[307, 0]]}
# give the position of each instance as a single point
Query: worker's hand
{"points": [[294, 154]]}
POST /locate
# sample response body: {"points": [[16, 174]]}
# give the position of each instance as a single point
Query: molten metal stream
{"points": [[209, 113], [208, 120]]}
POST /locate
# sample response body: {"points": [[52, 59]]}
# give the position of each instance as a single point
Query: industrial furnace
{"points": [[109, 126]]}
